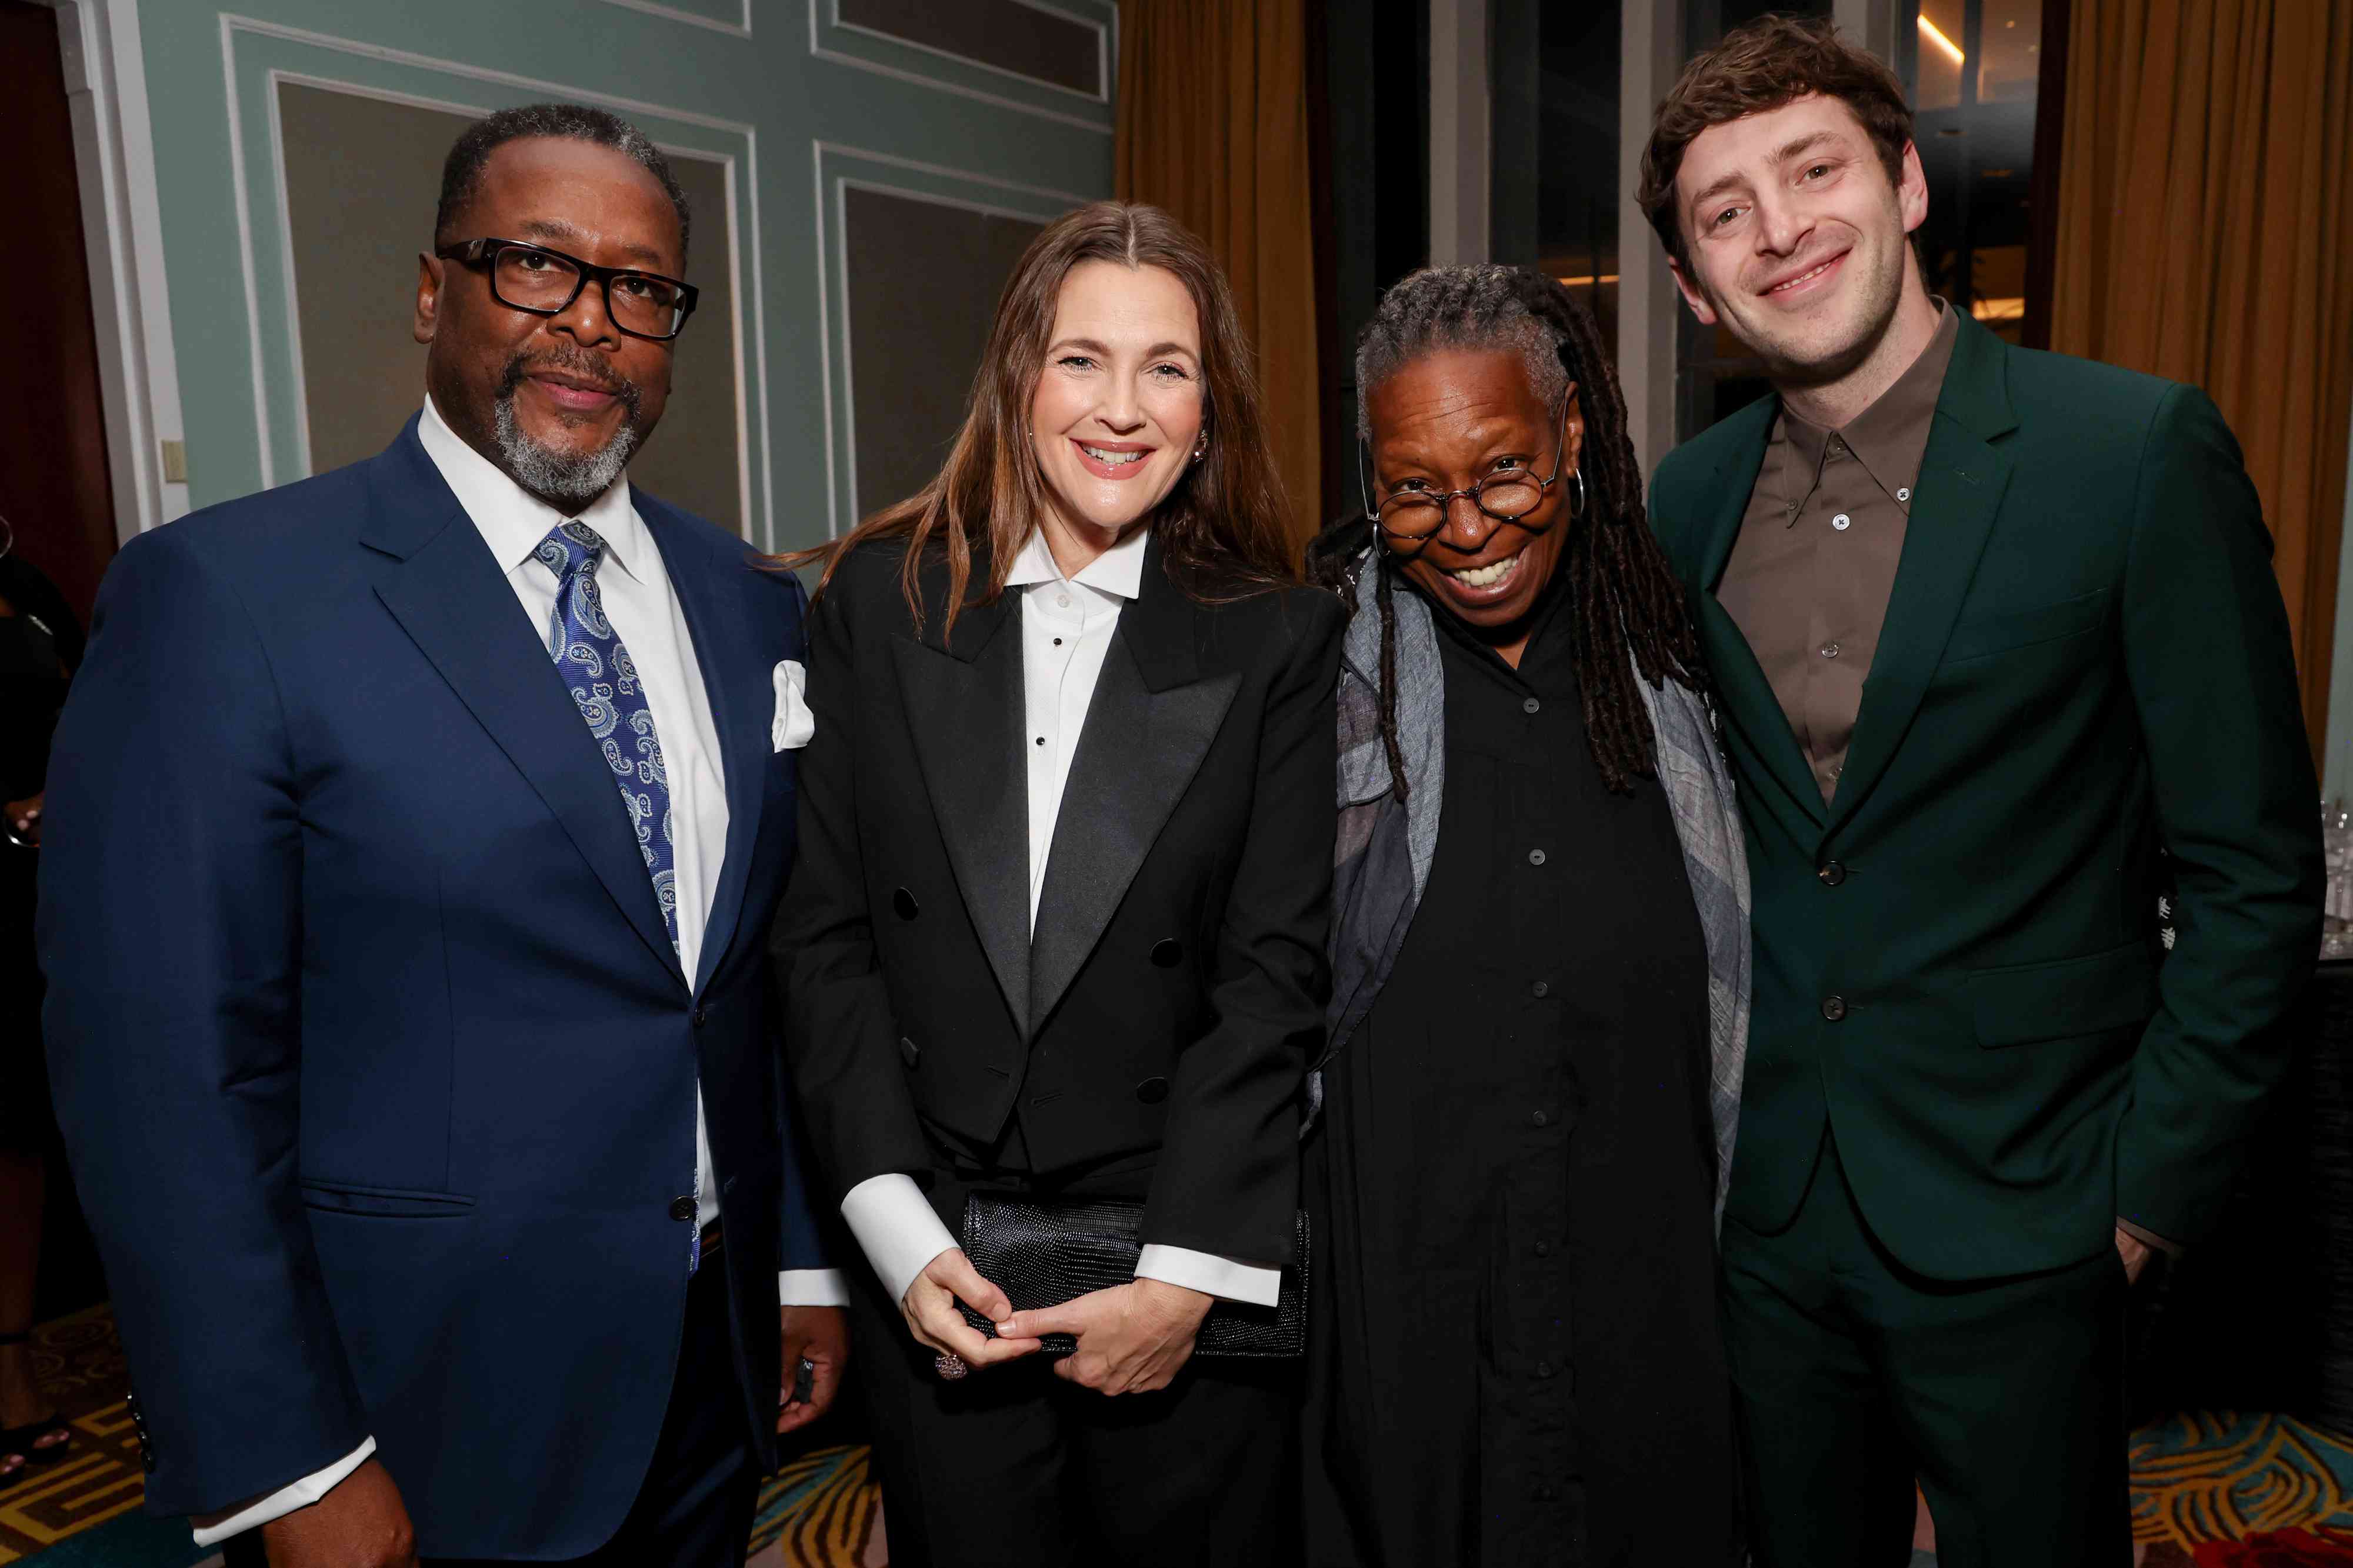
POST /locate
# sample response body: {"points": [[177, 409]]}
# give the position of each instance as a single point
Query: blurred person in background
{"points": [[40, 647]]}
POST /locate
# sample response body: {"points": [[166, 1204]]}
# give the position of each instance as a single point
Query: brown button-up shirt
{"points": [[1815, 562]]}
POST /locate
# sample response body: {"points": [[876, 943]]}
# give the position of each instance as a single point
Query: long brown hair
{"points": [[1222, 529]]}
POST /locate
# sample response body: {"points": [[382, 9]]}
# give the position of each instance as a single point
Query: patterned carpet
{"points": [[2209, 1491]]}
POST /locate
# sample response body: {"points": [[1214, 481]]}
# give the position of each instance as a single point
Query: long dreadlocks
{"points": [[1626, 598]]}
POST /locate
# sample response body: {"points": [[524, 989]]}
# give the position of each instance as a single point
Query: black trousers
{"points": [[695, 1508], [1853, 1375], [1012, 1468]]}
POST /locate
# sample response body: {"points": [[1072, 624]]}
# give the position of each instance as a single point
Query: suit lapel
{"points": [[1962, 479], [441, 583], [725, 648], [1748, 701], [964, 698], [1150, 722]]}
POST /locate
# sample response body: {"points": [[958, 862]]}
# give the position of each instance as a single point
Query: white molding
{"points": [[412, 61], [114, 161], [768, 521], [673, 14], [243, 208], [1103, 93], [817, 151], [381, 94], [735, 319], [833, 258], [293, 286], [739, 245], [940, 84], [945, 171]]}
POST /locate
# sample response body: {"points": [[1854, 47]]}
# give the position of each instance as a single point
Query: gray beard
{"points": [[563, 480]]}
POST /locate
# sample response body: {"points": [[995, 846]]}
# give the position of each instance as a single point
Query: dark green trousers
{"points": [[1854, 1375]]}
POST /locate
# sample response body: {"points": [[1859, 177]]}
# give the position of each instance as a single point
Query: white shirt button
{"points": [[1064, 600], [1904, 493], [1841, 522]]}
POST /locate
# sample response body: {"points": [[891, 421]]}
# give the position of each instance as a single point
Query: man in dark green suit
{"points": [[1999, 653]]}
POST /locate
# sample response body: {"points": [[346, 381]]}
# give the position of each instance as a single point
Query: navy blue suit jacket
{"points": [[376, 1064]]}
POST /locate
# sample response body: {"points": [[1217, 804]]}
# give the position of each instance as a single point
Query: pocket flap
{"points": [[338, 1198], [2002, 630], [2065, 997]]}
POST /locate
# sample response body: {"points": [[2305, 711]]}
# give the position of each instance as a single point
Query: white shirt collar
{"points": [[1117, 571], [511, 519]]}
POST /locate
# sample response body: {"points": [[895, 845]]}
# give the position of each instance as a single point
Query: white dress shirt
{"points": [[1066, 629], [647, 617]]}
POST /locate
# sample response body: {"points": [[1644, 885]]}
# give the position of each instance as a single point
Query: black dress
{"points": [[40, 646], [1516, 1357]]}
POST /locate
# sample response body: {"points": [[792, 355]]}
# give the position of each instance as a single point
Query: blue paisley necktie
{"points": [[595, 665]]}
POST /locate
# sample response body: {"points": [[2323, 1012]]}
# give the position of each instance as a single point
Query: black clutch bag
{"points": [[1044, 1254]]}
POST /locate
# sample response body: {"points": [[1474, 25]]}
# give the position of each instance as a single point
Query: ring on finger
{"points": [[949, 1365]]}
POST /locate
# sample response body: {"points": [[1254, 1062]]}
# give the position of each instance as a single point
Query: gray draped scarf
{"points": [[1382, 854]]}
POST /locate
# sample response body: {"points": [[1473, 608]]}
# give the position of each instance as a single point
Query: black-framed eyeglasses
{"points": [[527, 277], [1507, 495]]}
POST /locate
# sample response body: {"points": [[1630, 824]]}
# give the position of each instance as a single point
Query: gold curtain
{"points": [[2206, 234], [1212, 125]]}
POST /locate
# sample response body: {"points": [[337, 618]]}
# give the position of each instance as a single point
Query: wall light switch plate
{"points": [[175, 462]]}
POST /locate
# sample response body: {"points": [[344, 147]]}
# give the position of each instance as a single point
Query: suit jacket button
{"points": [[702, 1017], [908, 1050], [681, 1208], [1152, 1090], [904, 902], [1167, 952], [1832, 874], [1834, 1009]]}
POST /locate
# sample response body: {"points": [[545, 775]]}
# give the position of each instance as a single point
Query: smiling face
{"points": [[1445, 422], [1798, 241], [558, 402], [1120, 403]]}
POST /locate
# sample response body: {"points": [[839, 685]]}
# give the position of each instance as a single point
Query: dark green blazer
{"points": [[2085, 658]]}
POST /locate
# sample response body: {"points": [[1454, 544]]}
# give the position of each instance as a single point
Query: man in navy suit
{"points": [[414, 831]]}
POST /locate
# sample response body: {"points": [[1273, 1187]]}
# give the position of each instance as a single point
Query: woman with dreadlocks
{"points": [[1540, 975]]}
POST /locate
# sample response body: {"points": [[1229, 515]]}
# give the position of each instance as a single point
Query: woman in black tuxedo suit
{"points": [[1057, 927]]}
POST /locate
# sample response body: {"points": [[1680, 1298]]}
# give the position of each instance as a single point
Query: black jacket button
{"points": [[908, 1050], [1834, 1009], [1832, 874], [1152, 1090], [702, 1017], [904, 902], [681, 1208], [1167, 952]]}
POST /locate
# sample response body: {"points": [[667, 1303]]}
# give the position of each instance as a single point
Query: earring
{"points": [[1578, 511], [1200, 448]]}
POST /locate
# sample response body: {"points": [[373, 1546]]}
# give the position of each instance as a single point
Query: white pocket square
{"points": [[794, 724]]}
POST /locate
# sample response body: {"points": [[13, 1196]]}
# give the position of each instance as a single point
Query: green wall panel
{"points": [[791, 106]]}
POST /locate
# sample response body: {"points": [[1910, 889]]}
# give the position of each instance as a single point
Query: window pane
{"points": [[2009, 50], [1942, 24]]}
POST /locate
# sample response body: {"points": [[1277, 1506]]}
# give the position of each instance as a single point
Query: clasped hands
{"points": [[1133, 1338]]}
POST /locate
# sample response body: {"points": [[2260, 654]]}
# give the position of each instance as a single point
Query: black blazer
{"points": [[1166, 1008]]}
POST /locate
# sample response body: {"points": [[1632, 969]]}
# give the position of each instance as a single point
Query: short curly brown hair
{"points": [[1758, 66]]}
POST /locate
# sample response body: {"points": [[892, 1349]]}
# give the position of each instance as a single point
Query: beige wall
{"points": [[362, 175]]}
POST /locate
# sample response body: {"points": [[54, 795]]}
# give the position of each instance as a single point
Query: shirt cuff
{"points": [[896, 1230], [1227, 1278], [286, 1498], [2148, 1238], [811, 1288]]}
